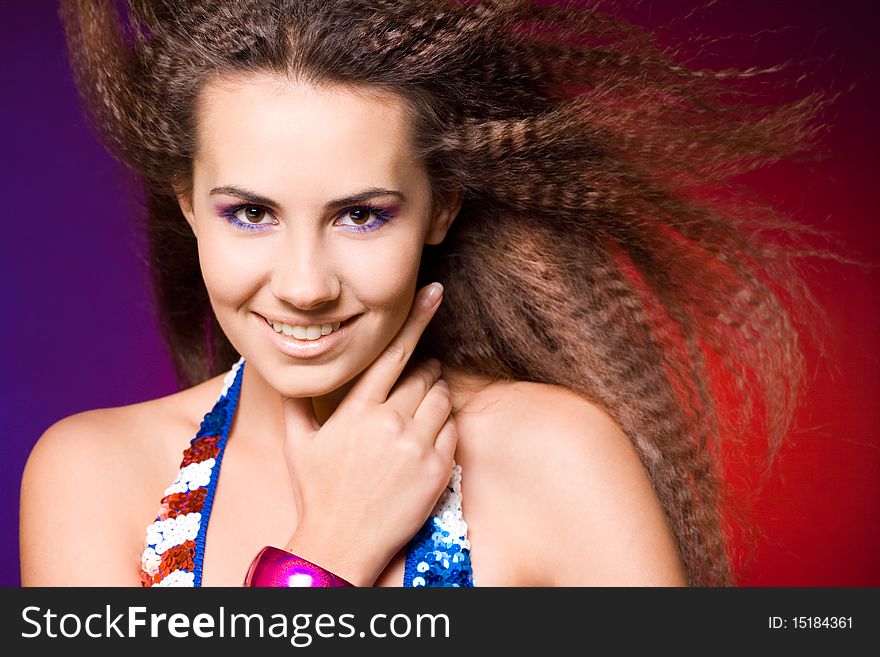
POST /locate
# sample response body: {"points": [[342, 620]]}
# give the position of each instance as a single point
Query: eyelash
{"points": [[383, 216]]}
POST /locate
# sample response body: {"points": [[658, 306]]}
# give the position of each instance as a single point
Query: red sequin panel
{"points": [[180, 557], [177, 504], [201, 449]]}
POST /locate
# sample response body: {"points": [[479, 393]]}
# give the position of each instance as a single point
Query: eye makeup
{"points": [[382, 215], [230, 212]]}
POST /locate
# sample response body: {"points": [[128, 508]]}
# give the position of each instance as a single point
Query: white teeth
{"points": [[312, 332]]}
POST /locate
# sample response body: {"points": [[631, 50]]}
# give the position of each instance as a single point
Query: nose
{"points": [[305, 273]]}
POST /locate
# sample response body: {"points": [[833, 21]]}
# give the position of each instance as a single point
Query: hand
{"points": [[365, 482]]}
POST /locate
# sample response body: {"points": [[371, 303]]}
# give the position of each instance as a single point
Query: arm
{"points": [[73, 501], [597, 520]]}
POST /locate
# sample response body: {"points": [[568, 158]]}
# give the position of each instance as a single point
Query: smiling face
{"points": [[309, 210]]}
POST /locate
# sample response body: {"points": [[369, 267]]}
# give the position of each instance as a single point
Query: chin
{"points": [[300, 381], [303, 391]]}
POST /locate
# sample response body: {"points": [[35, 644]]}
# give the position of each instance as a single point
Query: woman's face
{"points": [[308, 210]]}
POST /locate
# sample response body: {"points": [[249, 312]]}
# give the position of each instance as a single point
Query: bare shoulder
{"points": [[87, 485], [563, 468]]}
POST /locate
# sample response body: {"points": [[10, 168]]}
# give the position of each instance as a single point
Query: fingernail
{"points": [[433, 294]]}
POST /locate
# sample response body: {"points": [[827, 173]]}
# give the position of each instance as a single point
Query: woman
{"points": [[309, 166]]}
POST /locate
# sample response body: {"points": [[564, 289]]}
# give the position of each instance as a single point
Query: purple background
{"points": [[79, 331]]}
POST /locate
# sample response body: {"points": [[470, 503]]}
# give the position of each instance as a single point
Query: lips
{"points": [[314, 322], [309, 332], [306, 349]]}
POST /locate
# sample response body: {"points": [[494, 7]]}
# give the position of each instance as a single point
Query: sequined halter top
{"points": [[438, 555]]}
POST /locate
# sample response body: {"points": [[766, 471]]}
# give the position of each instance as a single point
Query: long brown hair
{"points": [[586, 253]]}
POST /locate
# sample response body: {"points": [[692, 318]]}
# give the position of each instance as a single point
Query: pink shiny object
{"points": [[278, 568]]}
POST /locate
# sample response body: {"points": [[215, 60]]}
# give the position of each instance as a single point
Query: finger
{"points": [[413, 386], [447, 439], [299, 418], [378, 379], [434, 410]]}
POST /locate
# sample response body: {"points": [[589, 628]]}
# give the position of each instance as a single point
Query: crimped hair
{"points": [[586, 254]]}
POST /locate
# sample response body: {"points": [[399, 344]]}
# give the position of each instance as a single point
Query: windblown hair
{"points": [[587, 253]]}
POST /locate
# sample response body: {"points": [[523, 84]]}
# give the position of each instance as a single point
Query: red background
{"points": [[819, 509]]}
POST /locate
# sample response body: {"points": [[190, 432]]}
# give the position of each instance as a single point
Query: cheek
{"points": [[383, 277], [229, 274]]}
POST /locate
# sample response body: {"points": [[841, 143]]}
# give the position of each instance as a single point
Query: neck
{"points": [[260, 409], [326, 405]]}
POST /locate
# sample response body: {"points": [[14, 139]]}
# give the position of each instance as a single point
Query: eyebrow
{"points": [[257, 199]]}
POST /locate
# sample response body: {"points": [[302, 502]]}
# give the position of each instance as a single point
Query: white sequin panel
{"points": [[192, 476], [150, 561], [448, 511], [165, 534], [229, 379]]}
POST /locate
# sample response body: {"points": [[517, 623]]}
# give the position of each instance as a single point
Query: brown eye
{"points": [[359, 215], [253, 214]]}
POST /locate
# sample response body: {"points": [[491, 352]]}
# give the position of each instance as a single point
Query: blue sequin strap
{"points": [[175, 542], [217, 422], [440, 553]]}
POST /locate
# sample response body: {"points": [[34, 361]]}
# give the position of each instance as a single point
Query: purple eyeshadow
{"points": [[382, 216], [228, 212]]}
